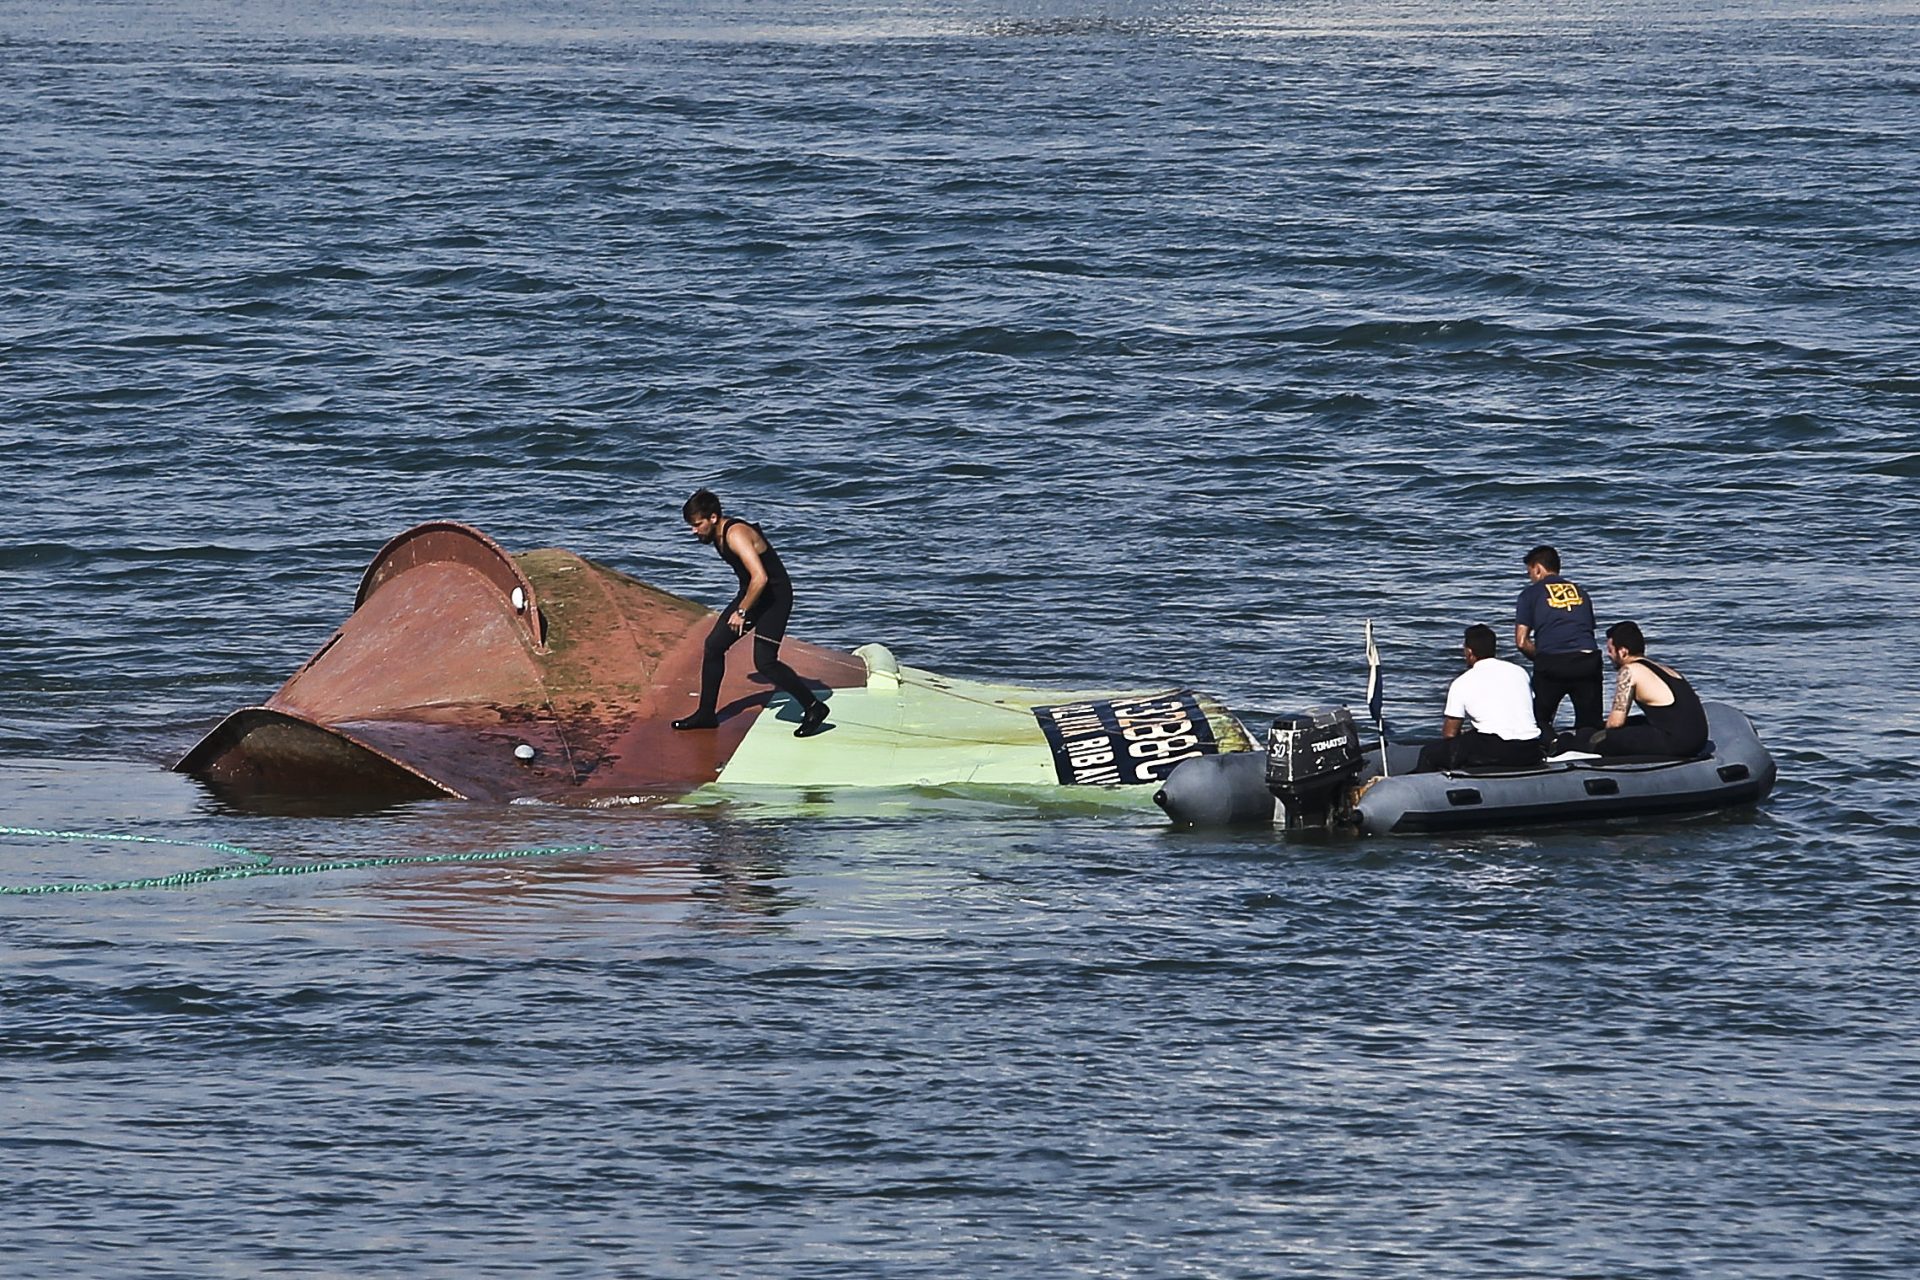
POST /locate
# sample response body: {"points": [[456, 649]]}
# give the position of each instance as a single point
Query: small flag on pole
{"points": [[1376, 696]]}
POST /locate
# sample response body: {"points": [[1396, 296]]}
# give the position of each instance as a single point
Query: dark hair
{"points": [[1626, 637], [1544, 556], [702, 503], [1480, 640]]}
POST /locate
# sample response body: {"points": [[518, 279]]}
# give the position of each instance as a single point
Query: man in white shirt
{"points": [[1493, 700]]}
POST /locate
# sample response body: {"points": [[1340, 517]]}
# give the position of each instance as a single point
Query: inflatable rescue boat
{"points": [[1315, 773], [466, 672]]}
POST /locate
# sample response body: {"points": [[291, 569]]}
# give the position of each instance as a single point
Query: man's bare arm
{"points": [[1622, 698]]}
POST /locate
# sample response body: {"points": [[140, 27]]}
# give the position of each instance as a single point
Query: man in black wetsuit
{"points": [[1553, 625], [1672, 723], [762, 605]]}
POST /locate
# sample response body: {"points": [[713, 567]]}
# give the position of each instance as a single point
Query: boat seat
{"points": [[1504, 770], [1601, 762], [1592, 762]]}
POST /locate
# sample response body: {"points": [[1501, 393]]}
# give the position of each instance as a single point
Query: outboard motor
{"points": [[1312, 759]]}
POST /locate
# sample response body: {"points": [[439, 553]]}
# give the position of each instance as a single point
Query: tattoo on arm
{"points": [[1623, 693]]}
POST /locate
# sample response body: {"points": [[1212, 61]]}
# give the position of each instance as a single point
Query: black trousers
{"points": [[1567, 675], [1471, 747], [768, 629], [1639, 738]]}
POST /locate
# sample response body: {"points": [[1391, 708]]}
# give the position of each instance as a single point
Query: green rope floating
{"points": [[254, 864]]}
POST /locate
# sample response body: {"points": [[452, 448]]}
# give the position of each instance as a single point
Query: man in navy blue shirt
{"points": [[1553, 625]]}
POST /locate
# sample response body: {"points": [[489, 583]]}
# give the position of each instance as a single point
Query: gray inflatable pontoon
{"points": [[1234, 789]]}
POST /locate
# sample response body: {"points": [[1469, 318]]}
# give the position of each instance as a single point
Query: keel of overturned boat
{"points": [[466, 672]]}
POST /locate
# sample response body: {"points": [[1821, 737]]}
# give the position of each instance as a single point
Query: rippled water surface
{"points": [[1097, 343]]}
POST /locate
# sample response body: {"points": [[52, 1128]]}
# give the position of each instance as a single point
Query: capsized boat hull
{"points": [[1737, 770], [467, 672]]}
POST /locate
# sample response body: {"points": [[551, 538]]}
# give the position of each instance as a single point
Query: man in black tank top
{"points": [[762, 605], [1672, 721]]}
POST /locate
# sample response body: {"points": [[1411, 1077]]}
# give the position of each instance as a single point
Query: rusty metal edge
{"points": [[232, 729], [492, 560]]}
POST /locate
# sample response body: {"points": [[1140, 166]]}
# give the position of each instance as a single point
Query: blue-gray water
{"points": [[1065, 342]]}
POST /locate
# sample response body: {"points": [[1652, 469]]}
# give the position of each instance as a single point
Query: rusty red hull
{"points": [[457, 654]]}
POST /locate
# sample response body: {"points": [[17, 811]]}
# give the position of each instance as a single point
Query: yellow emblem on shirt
{"points": [[1563, 595]]}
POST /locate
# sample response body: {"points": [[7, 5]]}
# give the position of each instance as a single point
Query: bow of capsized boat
{"points": [[465, 671]]}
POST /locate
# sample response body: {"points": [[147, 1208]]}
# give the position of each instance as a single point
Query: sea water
{"points": [[1128, 344]]}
